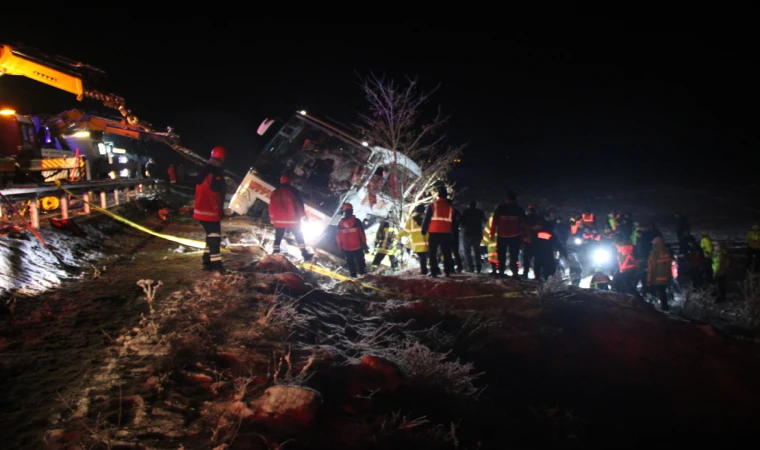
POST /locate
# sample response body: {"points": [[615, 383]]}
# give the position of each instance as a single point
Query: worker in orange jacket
{"points": [[353, 241], [210, 190]]}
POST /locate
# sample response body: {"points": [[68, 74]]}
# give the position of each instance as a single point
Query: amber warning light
{"points": [[7, 112]]}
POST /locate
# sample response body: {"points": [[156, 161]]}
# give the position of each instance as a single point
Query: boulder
{"points": [[282, 406], [292, 282]]}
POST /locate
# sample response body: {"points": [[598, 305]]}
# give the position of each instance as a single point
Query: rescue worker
{"points": [[720, 264], [608, 234], [625, 224], [437, 227], [286, 209], [352, 241], [385, 245], [491, 246], [628, 268], [753, 248], [600, 280], [635, 233], [172, 174], [575, 226], [150, 168], [588, 218], [417, 242], [696, 260], [612, 220], [544, 246], [508, 228], [591, 235], [706, 244], [473, 220], [210, 189], [659, 274], [534, 223], [576, 270]]}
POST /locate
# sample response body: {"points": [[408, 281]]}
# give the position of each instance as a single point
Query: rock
{"points": [[198, 378], [282, 406], [384, 373], [292, 281], [275, 264]]}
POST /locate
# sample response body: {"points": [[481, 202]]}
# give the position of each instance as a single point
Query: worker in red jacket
{"points": [[352, 240], [508, 228], [286, 209], [437, 223], [209, 203]]}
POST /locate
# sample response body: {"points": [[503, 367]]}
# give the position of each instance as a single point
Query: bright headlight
{"points": [[578, 241], [601, 256], [311, 230]]}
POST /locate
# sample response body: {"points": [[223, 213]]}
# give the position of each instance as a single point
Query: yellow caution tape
{"points": [[339, 277], [184, 241]]}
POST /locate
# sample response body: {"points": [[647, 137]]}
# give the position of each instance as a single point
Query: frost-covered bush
{"points": [[555, 287], [424, 367]]}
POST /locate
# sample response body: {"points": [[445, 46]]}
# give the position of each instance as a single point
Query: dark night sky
{"points": [[552, 99]]}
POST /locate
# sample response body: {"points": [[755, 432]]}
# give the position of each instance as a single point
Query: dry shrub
{"points": [[556, 287], [424, 367], [697, 302]]}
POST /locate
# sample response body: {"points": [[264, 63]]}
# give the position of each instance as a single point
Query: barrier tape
{"points": [[339, 277], [184, 241]]}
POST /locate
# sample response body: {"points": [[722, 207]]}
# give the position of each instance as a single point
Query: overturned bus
{"points": [[328, 166]]}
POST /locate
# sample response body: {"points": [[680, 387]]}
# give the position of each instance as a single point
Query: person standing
{"points": [[286, 209], [210, 189], [352, 241], [417, 241], [659, 271], [508, 227], [437, 223], [473, 221]]}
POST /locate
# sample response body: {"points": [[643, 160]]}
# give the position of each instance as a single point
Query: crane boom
{"points": [[69, 76]]}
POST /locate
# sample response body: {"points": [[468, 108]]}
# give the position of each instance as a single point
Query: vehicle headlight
{"points": [[578, 241], [601, 256], [312, 230]]}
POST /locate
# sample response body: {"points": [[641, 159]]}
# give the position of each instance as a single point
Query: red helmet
{"points": [[219, 153], [347, 206], [285, 179]]}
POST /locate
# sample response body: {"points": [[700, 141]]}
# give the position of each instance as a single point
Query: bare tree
{"points": [[396, 120]]}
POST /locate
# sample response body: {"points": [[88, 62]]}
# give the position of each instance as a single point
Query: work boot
{"points": [[218, 267], [207, 266]]}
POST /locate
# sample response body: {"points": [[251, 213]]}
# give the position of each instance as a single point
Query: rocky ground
{"points": [[273, 355]]}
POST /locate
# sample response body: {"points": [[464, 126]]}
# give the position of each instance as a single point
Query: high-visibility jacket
{"points": [[440, 213], [413, 229], [635, 235], [575, 225], [490, 242], [659, 266], [588, 218], [626, 260], [720, 262], [706, 245], [591, 235], [613, 223], [351, 234], [600, 280], [286, 208], [508, 221], [753, 239], [209, 194], [385, 240]]}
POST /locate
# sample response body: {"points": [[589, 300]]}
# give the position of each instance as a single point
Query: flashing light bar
{"points": [[7, 112], [119, 150], [81, 134]]}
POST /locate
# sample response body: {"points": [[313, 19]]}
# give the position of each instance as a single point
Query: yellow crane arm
{"points": [[15, 63]]}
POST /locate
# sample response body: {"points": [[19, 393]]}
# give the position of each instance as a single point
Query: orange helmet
{"points": [[285, 179], [347, 206], [219, 153]]}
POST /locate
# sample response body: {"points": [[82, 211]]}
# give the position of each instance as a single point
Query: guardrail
{"points": [[119, 189]]}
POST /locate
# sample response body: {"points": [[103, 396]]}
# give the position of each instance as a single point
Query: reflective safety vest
{"points": [[613, 223], [574, 226], [587, 218], [208, 203], [753, 239], [417, 242], [659, 267], [592, 236], [285, 208], [706, 245], [626, 261], [350, 235], [545, 235], [493, 256], [440, 222], [385, 242]]}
